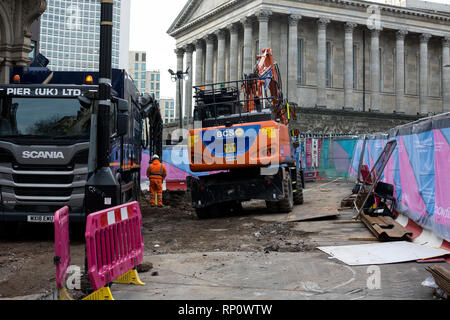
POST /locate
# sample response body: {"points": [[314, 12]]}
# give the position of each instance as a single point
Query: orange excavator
{"points": [[243, 144]]}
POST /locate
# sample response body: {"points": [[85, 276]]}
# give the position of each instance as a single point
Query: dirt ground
{"points": [[26, 254], [27, 251], [176, 229]]}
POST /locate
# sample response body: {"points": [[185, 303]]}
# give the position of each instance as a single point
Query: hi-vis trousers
{"points": [[156, 192]]}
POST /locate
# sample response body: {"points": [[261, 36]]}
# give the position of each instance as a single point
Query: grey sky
{"points": [[150, 20]]}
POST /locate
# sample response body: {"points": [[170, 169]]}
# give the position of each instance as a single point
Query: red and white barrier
{"points": [[422, 236], [114, 243]]}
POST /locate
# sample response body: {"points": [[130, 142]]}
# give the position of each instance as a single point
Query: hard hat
{"points": [[155, 157]]}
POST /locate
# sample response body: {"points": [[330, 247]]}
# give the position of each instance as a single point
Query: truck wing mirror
{"points": [[85, 101], [122, 124], [122, 105]]}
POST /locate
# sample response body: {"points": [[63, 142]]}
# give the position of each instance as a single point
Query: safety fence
{"points": [[114, 243], [321, 156], [325, 156], [114, 249], [62, 249], [419, 170]]}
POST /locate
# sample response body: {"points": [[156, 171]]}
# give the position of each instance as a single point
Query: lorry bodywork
{"points": [[47, 143]]}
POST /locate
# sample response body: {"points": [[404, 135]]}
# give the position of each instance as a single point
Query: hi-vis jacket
{"points": [[156, 171]]}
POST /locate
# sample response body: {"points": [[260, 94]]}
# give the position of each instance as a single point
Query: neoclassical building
{"points": [[337, 54], [16, 17]]}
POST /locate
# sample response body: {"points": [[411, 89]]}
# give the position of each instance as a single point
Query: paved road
{"points": [[287, 276], [299, 275]]}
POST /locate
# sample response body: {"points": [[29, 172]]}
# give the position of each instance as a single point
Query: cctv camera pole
{"points": [[179, 80]]}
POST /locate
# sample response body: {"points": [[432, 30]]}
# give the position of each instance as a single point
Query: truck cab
{"points": [[47, 143]]}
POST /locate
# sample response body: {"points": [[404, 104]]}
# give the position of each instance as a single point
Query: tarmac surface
{"points": [[274, 276]]}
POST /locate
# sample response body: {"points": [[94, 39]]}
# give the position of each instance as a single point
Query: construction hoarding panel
{"points": [[419, 170]]}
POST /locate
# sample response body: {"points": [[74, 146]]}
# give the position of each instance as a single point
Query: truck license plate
{"points": [[230, 148], [41, 219]]}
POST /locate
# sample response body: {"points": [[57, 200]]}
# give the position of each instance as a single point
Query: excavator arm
{"points": [[266, 75]]}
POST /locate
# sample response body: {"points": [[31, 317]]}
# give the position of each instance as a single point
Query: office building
{"points": [[70, 34], [146, 81], [167, 107]]}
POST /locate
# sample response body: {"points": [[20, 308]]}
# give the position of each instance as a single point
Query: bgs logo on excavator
{"points": [[229, 133]]}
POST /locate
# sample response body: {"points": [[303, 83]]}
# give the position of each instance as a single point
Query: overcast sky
{"points": [[150, 20]]}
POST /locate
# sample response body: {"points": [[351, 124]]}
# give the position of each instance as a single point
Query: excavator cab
{"points": [[222, 104], [215, 102]]}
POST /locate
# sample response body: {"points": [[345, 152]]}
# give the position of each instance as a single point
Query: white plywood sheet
{"points": [[382, 253]]}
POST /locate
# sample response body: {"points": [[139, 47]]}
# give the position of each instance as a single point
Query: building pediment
{"points": [[205, 6], [197, 9]]}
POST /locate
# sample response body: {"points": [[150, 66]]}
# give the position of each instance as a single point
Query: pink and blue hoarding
{"points": [[419, 170]]}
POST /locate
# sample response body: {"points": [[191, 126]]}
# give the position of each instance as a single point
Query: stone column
{"points": [[423, 93], [221, 34], [283, 60], [188, 83], [4, 71], [263, 18], [348, 65], [209, 72], [293, 58], [199, 62], [400, 72], [375, 101], [248, 39], [180, 56], [321, 61], [234, 52], [446, 74]]}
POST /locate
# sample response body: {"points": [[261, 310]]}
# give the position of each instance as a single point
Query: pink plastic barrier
{"points": [[114, 243], [62, 245]]}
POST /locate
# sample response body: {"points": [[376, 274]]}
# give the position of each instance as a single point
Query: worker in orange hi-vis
{"points": [[156, 173]]}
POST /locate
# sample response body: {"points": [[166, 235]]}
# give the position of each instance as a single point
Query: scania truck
{"points": [[48, 141]]}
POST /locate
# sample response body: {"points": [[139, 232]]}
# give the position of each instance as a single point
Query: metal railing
{"points": [[232, 94]]}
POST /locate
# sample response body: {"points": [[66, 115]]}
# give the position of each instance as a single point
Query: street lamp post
{"points": [[178, 77]]}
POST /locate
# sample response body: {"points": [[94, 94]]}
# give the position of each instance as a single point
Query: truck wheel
{"points": [[3, 230], [272, 206], [298, 195], [235, 207], [203, 213], [8, 229], [287, 204]]}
